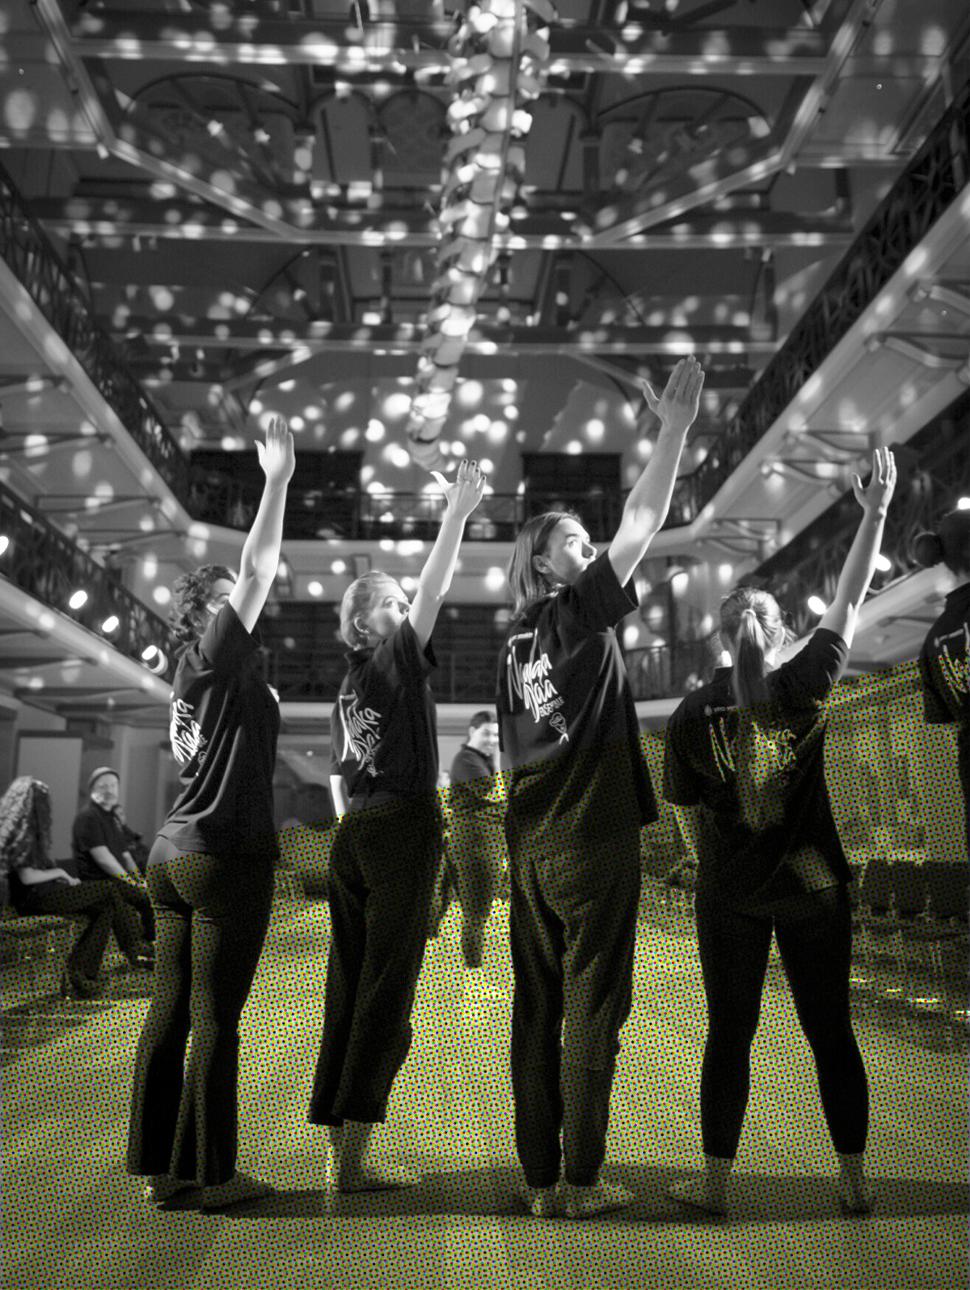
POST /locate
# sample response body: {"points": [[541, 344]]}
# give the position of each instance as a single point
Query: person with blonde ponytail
{"points": [[745, 770], [579, 792], [944, 661]]}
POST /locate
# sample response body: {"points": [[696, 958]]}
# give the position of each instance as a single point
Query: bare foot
{"points": [[695, 1191], [855, 1195], [587, 1202]]}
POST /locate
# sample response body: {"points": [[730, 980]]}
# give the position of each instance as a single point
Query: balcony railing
{"points": [[811, 563], [41, 561]]}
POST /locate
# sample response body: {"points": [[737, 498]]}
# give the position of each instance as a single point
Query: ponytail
{"points": [[748, 675], [752, 621]]}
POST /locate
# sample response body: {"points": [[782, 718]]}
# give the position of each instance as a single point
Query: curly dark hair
{"points": [[190, 594], [25, 823]]}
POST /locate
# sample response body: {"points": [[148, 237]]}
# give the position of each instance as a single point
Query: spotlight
{"points": [[817, 605], [4, 544], [962, 505], [78, 600], [154, 659], [883, 563], [111, 624]]}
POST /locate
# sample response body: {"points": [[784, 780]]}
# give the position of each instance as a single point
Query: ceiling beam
{"points": [[331, 224], [328, 337], [250, 40]]}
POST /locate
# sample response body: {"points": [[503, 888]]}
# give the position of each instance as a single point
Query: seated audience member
{"points": [[102, 846], [39, 886]]}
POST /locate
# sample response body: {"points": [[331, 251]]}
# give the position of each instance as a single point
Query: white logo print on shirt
{"points": [[185, 734], [528, 680], [361, 732]]}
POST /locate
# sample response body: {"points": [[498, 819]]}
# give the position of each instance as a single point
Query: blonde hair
{"points": [[752, 620], [358, 599], [527, 583]]}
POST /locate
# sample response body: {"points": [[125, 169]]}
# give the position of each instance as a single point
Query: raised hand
{"points": [[276, 456], [677, 406], [464, 493], [875, 497]]}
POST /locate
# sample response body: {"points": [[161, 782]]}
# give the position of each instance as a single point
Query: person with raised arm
{"points": [[579, 792], [384, 777], [745, 768], [211, 869], [944, 661]]}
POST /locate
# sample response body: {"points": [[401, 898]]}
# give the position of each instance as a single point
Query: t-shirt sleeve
{"points": [[681, 784], [225, 642], [935, 709], [89, 832], [400, 658], [811, 675], [596, 601]]}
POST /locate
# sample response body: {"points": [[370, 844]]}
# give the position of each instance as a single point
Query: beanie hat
{"points": [[102, 770]]}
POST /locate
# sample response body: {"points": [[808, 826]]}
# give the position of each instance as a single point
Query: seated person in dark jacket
{"points": [[101, 846], [39, 886]]}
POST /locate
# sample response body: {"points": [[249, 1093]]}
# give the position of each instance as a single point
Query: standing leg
{"points": [[816, 949], [231, 900], [399, 883], [160, 1059], [734, 950], [92, 903], [346, 901], [596, 894], [537, 942]]}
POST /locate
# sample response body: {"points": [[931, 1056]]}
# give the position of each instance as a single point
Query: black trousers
{"points": [[103, 912], [212, 913], [814, 935], [382, 872], [139, 900], [573, 921], [471, 867]]}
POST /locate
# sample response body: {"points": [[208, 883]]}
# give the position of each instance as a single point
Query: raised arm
{"points": [[461, 498], [649, 500], [860, 564], [260, 558]]}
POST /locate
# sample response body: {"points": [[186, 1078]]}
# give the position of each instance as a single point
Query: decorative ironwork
{"points": [[934, 471], [45, 564], [40, 270], [919, 197]]}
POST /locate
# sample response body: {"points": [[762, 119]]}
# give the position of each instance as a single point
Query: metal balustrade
{"points": [[920, 195], [934, 472], [48, 566]]}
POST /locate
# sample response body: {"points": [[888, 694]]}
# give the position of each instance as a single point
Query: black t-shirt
{"points": [[567, 722], [944, 666], [766, 830], [96, 827], [473, 783], [384, 739], [224, 723]]}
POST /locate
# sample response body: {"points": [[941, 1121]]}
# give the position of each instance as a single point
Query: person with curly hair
{"points": [[39, 886], [211, 870]]}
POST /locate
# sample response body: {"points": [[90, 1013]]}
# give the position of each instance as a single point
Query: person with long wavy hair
{"points": [[578, 794], [944, 660], [745, 769], [39, 886], [211, 870]]}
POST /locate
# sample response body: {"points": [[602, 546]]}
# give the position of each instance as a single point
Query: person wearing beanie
{"points": [[101, 848], [944, 661]]}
